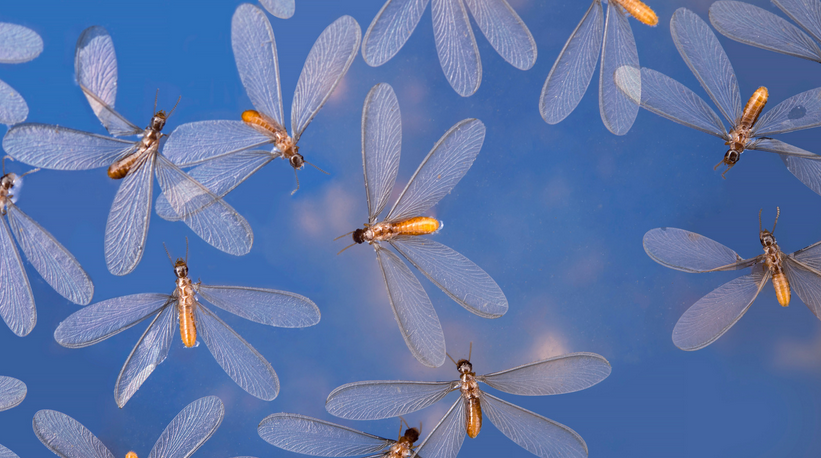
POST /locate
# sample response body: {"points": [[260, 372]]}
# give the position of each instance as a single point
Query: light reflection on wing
{"points": [[456, 46], [807, 14], [66, 437], [690, 252], [13, 108], [390, 29], [806, 282], [801, 111], [618, 112], [12, 392], [266, 306], [311, 436], [197, 142], [505, 31], [445, 439], [16, 299], [381, 146], [378, 399], [557, 375], [127, 226], [18, 44], [189, 429], [282, 9]]}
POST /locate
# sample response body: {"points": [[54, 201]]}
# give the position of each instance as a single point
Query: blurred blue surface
{"points": [[555, 214]]}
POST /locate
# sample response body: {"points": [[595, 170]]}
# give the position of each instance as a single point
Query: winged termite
{"points": [[186, 432], [714, 314], [373, 400], [18, 44], [571, 74], [135, 162], [238, 358], [446, 164]]}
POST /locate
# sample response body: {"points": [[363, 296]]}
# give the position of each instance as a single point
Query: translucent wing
{"points": [[690, 252], [801, 111], [446, 164], [206, 214], [255, 52], [809, 256], [712, 315], [445, 439], [66, 437], [461, 279], [18, 44], [54, 263], [758, 27], [381, 146], [456, 46], [282, 9], [668, 98], [390, 29], [60, 148], [148, 353], [807, 170], [16, 299], [6, 453], [12, 392], [127, 225], [571, 74], [413, 311], [266, 306], [618, 112], [13, 108], [197, 142], [807, 13], [557, 375], [505, 31], [702, 52], [102, 320], [785, 149], [378, 399], [194, 425], [538, 435], [806, 282], [310, 436], [236, 356], [327, 62]]}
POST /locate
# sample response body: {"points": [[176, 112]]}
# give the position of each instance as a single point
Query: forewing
{"points": [[390, 29], [461, 279], [13, 108], [54, 263], [690, 252], [378, 399], [104, 319], [702, 52], [413, 311], [66, 437], [255, 52], [18, 44], [282, 9], [714, 314], [194, 425], [150, 351], [809, 256], [505, 31], [758, 27], [538, 435], [446, 164], [327, 62], [557, 375], [456, 46], [807, 169], [197, 142], [16, 299], [310, 436], [445, 439], [12, 392], [381, 146], [266, 306], [571, 74], [801, 111], [6, 453], [617, 110], [60, 148], [807, 13], [236, 356], [127, 225], [806, 282]]}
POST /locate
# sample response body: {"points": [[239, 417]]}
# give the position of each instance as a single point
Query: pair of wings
{"points": [[455, 43], [571, 74], [446, 164], [238, 358], [712, 315], [758, 27], [18, 44], [52, 261], [373, 400], [194, 425], [60, 148]]}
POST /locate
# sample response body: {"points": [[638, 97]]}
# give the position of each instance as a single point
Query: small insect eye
{"points": [[296, 161]]}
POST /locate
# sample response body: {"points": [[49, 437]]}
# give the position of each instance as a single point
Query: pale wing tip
{"points": [[686, 342], [28, 49]]}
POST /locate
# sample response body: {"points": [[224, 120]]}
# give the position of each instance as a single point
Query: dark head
{"points": [[411, 435], [730, 158], [464, 366], [7, 182], [180, 268], [158, 120], [297, 161], [766, 237], [359, 236]]}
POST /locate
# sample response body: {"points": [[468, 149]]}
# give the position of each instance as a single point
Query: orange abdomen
{"points": [[640, 11], [255, 118], [120, 169], [130, 455], [419, 225], [188, 327], [782, 288], [754, 107], [473, 417]]}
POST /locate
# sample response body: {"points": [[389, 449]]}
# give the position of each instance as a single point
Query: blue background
{"points": [[555, 214]]}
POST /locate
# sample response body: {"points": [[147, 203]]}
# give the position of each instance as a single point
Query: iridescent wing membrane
{"points": [[18, 44], [714, 314]]}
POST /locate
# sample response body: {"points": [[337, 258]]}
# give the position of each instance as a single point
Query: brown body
{"points": [[6, 183], [387, 230], [186, 303], [148, 145], [638, 10], [403, 448], [278, 134], [741, 132], [469, 388], [773, 258]]}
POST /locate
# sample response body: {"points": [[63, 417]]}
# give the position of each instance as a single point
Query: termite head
{"points": [[180, 268], [464, 366], [730, 158], [359, 236], [158, 120], [9, 180], [297, 161], [411, 435], [766, 237]]}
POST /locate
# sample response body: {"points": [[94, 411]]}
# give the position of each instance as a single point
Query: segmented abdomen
{"points": [[419, 225], [640, 11], [120, 168], [473, 417], [255, 118], [188, 327], [753, 108], [782, 288]]}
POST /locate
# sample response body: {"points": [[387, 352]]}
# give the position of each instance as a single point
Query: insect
{"points": [[18, 44], [194, 425], [704, 55], [375, 400], [311, 436], [237, 357], [455, 43], [440, 171], [53, 262], [714, 314], [571, 74], [758, 27], [216, 146], [12, 393], [135, 163], [282, 9]]}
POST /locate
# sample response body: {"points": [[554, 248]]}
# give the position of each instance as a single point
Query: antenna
{"points": [[167, 253], [156, 95], [186, 249], [340, 251], [30, 172], [343, 235], [314, 166], [297, 183], [470, 352], [759, 220], [451, 358], [777, 214], [172, 110], [4, 162]]}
